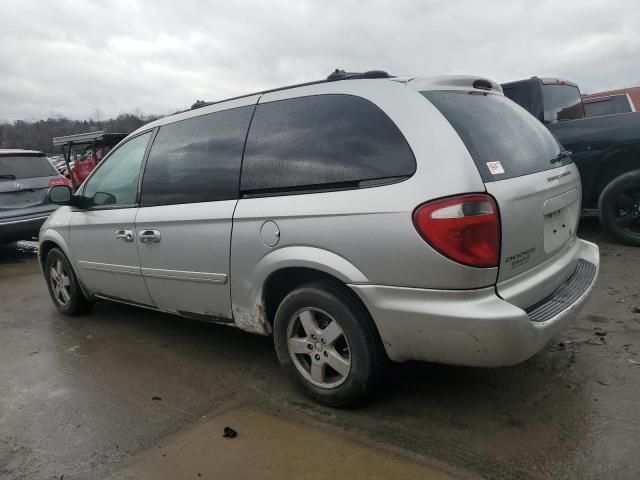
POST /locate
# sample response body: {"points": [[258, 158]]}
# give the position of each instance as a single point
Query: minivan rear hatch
{"points": [[24, 182], [535, 184]]}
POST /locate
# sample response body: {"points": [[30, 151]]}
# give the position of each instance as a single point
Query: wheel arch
{"points": [[618, 161], [256, 298], [51, 239]]}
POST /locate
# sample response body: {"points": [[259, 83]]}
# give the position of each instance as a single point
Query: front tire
{"points": [[63, 285], [619, 208], [328, 344]]}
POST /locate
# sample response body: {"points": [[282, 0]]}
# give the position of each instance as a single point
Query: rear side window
{"points": [[607, 106], [197, 159], [321, 142], [495, 129], [17, 167]]}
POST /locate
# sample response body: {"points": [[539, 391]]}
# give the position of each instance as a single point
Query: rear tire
{"points": [[63, 285], [619, 208], [328, 345]]}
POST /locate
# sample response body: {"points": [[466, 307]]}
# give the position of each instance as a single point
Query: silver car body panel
{"points": [[463, 83], [107, 266], [539, 217], [394, 253], [186, 271], [212, 261], [55, 230], [472, 327]]}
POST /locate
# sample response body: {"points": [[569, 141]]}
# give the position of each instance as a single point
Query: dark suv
{"points": [[25, 177], [606, 150]]}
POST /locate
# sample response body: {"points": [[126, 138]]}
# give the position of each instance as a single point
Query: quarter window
{"points": [[322, 141], [197, 159], [115, 182]]}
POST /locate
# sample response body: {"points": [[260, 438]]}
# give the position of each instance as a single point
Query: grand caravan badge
{"points": [[520, 258], [558, 177]]}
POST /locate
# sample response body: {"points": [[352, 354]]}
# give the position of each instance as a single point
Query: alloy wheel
{"points": [[60, 282], [627, 210], [318, 347]]}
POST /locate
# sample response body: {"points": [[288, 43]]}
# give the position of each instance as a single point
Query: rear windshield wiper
{"points": [[7, 177], [561, 156]]}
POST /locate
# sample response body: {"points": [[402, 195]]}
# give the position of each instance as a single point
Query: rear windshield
{"points": [[561, 102], [17, 167], [504, 140]]}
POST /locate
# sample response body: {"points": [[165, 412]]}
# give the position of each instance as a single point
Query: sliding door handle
{"points": [[149, 236]]}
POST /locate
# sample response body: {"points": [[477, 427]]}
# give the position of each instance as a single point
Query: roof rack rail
{"points": [[336, 75]]}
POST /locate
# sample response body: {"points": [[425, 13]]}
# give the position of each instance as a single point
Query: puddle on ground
{"points": [[270, 448]]}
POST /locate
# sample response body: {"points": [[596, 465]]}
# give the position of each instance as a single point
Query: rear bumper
{"points": [[473, 327], [22, 228]]}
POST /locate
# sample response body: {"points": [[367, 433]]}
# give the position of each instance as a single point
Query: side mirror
{"points": [[103, 198], [60, 195]]}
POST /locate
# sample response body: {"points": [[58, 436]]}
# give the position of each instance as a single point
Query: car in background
{"points": [[58, 162], [606, 150], [25, 178]]}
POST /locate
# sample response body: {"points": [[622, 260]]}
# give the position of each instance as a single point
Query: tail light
{"points": [[60, 181], [464, 228]]}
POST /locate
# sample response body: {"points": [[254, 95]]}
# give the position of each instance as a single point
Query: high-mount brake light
{"points": [[465, 228], [482, 84]]}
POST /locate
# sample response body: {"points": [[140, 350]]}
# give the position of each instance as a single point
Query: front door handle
{"points": [[149, 236], [124, 235]]}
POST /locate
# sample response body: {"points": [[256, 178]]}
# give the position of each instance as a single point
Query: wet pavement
{"points": [[98, 395]]}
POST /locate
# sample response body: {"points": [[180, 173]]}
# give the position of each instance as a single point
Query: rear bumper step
{"points": [[566, 295], [476, 327]]}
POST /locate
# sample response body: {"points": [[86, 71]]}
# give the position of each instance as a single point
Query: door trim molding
{"points": [[109, 267], [202, 277]]}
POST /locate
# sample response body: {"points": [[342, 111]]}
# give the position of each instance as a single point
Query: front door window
{"points": [[115, 182]]}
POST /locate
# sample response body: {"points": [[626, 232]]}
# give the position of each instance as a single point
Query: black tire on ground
{"points": [[58, 274], [619, 208], [358, 343]]}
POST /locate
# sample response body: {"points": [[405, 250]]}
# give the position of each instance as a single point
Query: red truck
{"points": [[93, 147]]}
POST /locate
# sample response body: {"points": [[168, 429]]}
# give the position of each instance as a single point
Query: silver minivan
{"points": [[356, 219]]}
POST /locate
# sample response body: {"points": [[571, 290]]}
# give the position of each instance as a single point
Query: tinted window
{"points": [[115, 182], [17, 167], [561, 102], [495, 129], [607, 106], [324, 141], [519, 94], [196, 160]]}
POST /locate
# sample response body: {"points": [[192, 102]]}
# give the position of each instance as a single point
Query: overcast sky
{"points": [[82, 58]]}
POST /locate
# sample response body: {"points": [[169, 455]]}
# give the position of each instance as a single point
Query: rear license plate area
{"points": [[559, 227]]}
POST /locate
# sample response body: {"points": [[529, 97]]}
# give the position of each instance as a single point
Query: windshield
{"points": [[17, 167], [561, 102], [504, 140]]}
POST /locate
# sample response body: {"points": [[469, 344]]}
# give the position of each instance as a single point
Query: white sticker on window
{"points": [[495, 168]]}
